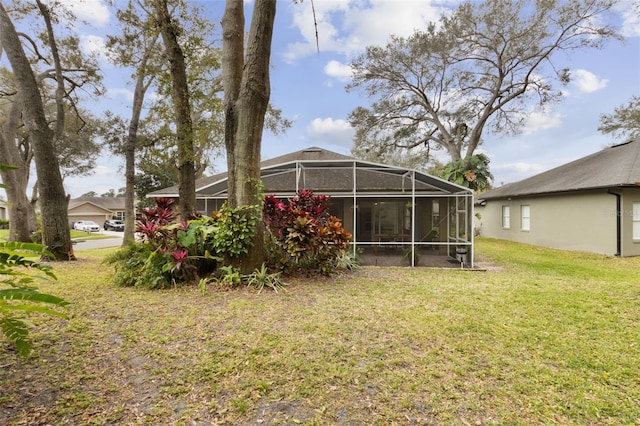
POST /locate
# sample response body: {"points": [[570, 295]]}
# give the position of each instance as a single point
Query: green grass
{"points": [[75, 235], [549, 337]]}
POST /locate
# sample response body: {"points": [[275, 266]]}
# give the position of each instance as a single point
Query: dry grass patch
{"points": [[552, 338]]}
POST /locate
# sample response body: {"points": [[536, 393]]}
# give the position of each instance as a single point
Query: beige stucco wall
{"points": [[89, 211], [630, 247], [580, 222]]}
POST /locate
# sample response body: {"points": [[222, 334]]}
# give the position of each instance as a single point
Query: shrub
{"points": [[138, 265], [301, 235], [19, 297], [172, 254], [4, 223]]}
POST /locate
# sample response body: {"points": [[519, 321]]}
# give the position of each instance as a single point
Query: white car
{"points": [[86, 225]]}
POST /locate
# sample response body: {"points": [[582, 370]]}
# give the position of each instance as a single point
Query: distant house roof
{"points": [[614, 166], [278, 172], [107, 203]]}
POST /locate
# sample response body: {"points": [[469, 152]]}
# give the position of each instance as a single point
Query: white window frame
{"points": [[525, 217], [635, 220], [506, 217]]}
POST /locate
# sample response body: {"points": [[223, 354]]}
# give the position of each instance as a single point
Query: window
{"points": [[506, 217], [526, 218], [636, 221], [120, 215]]}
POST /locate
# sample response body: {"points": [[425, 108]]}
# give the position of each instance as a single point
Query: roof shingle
{"points": [[615, 166]]}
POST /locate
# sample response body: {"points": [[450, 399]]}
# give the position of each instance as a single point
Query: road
{"points": [[104, 242]]}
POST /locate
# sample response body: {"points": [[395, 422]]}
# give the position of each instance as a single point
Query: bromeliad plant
{"points": [[18, 297], [302, 235]]}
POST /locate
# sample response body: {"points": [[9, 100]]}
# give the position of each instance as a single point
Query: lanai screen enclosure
{"points": [[396, 215]]}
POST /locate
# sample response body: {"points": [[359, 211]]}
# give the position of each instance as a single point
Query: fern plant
{"points": [[19, 297]]}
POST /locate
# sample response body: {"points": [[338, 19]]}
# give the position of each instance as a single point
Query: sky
{"points": [[309, 86]]}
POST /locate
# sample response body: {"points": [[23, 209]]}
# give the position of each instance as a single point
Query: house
{"points": [[591, 204], [394, 214], [97, 209], [4, 210]]}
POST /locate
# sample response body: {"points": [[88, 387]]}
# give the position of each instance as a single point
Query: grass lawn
{"points": [[75, 235], [545, 337]]}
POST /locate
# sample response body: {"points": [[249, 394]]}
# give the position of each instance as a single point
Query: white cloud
{"points": [[116, 92], [630, 18], [93, 11], [103, 178], [338, 70], [515, 171], [541, 120], [587, 82], [347, 27], [93, 45], [328, 130]]}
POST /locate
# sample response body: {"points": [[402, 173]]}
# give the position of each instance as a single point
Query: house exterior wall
{"points": [[89, 212], [629, 245], [582, 221]]}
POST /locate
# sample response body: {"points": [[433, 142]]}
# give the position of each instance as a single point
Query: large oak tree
{"points": [[245, 76], [55, 225], [481, 68], [624, 122]]}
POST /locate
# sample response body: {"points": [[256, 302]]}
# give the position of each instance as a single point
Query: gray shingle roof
{"points": [[307, 154], [334, 177], [614, 166]]}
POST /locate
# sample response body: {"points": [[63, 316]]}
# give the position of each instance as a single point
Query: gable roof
{"points": [[315, 157], [615, 166], [107, 203]]}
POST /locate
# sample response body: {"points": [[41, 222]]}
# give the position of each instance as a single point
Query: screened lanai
{"points": [[396, 216]]}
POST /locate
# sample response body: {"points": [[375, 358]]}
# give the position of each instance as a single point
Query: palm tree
{"points": [[472, 172]]}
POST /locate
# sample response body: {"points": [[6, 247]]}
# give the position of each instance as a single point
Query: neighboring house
{"points": [[4, 210], [591, 204], [391, 212], [97, 209]]}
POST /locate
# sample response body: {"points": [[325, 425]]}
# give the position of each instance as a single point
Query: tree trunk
{"points": [[180, 97], [247, 92], [54, 203], [19, 228], [16, 180], [130, 150]]}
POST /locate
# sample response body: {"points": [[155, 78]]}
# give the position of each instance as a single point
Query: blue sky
{"points": [[309, 86]]}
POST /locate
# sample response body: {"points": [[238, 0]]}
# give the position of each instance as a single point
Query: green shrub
{"points": [[139, 265], [172, 254], [4, 223], [235, 230], [229, 276]]}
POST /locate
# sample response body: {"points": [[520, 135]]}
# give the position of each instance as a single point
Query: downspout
{"points": [[618, 222]]}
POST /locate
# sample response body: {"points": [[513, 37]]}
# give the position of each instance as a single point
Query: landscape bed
{"points": [[540, 337]]}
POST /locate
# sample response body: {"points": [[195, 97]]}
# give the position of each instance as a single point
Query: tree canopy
{"points": [[480, 69], [624, 123]]}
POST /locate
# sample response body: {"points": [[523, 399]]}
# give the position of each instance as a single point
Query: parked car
{"points": [[86, 225], [113, 225]]}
